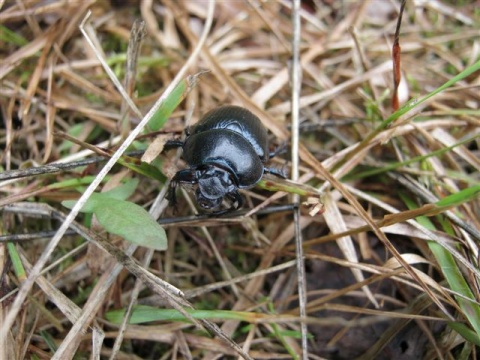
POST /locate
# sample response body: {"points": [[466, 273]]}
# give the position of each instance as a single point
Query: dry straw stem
{"points": [[380, 178], [296, 78]]}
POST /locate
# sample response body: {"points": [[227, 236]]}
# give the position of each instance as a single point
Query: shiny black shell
{"points": [[231, 138], [239, 120]]}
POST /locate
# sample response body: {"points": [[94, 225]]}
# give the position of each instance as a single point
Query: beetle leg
{"points": [[172, 144], [172, 194], [281, 173], [187, 176], [282, 148], [236, 200]]}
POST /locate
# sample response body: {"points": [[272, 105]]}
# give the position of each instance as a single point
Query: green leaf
{"points": [[130, 221], [121, 192], [88, 208], [124, 191], [124, 218]]}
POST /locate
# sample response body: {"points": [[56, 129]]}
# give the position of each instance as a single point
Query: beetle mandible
{"points": [[226, 151]]}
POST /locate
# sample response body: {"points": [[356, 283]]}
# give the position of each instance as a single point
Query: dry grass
{"points": [[391, 272]]}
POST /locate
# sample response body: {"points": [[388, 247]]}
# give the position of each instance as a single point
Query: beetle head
{"points": [[213, 184]]}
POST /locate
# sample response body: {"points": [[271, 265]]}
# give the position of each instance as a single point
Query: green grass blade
{"points": [[277, 184], [413, 160], [11, 37], [144, 314], [452, 273], [49, 340], [16, 262], [459, 198], [407, 107], [144, 169], [171, 103], [467, 333]]}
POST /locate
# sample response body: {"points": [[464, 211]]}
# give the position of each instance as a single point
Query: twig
{"points": [[137, 34], [31, 236], [58, 167], [296, 88]]}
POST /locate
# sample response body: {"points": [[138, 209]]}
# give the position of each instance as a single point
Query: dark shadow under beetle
{"points": [[225, 151]]}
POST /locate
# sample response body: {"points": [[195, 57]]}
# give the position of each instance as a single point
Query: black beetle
{"points": [[226, 151]]}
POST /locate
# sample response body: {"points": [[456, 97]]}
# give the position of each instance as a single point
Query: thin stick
{"points": [[296, 88], [58, 167], [137, 34]]}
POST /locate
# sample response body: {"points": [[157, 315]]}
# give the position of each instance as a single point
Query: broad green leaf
{"points": [[121, 192], [89, 206], [130, 221], [124, 218], [124, 191]]}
